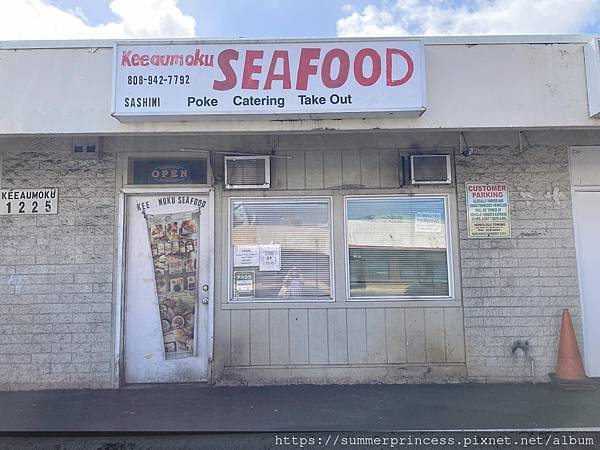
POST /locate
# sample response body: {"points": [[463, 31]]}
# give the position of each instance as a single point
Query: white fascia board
{"points": [[428, 40], [592, 74]]}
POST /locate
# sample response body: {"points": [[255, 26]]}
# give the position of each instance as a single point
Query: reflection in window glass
{"points": [[281, 250], [397, 247]]}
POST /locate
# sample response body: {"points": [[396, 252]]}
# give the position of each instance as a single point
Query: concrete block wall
{"points": [[56, 270], [515, 289]]}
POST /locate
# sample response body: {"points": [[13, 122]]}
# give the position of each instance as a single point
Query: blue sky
{"points": [[265, 18], [78, 19], [241, 18]]}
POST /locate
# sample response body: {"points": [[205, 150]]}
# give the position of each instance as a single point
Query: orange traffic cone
{"points": [[569, 365], [569, 368]]}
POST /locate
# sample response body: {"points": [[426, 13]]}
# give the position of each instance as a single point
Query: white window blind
{"points": [[397, 247], [298, 232]]}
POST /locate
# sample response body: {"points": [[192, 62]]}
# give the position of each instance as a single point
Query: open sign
{"points": [[170, 174], [169, 171]]}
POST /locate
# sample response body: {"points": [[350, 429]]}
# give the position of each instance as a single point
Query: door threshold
{"points": [[167, 385]]}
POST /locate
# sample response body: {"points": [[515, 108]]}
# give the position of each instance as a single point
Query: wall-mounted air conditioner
{"points": [[430, 169], [247, 172]]}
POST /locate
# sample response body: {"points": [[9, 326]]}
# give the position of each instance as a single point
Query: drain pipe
{"points": [[524, 347]]}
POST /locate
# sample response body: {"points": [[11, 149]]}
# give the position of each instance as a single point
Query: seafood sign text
{"points": [[333, 67], [312, 63]]}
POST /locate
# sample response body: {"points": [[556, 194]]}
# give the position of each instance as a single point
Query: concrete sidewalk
{"points": [[198, 408]]}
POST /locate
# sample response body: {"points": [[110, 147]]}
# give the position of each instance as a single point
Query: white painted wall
{"points": [[469, 86], [585, 184]]}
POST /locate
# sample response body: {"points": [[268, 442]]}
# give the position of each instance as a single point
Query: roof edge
{"points": [[428, 40]]}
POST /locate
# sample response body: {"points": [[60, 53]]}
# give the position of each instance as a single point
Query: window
{"points": [[397, 247], [280, 249]]}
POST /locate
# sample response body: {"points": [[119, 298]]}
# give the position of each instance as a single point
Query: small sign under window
{"points": [[244, 284]]}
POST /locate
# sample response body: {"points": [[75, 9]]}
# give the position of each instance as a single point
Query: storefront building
{"points": [[282, 212]]}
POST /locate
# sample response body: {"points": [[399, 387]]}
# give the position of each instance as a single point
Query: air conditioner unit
{"points": [[247, 172], [430, 169]]}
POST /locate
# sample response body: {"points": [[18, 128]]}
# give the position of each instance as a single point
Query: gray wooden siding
{"points": [[282, 337], [335, 169], [298, 336], [340, 333]]}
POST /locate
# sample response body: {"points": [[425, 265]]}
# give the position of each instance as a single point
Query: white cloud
{"points": [[36, 19], [436, 17]]}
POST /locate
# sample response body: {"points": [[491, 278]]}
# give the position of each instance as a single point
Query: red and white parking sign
{"points": [[488, 212]]}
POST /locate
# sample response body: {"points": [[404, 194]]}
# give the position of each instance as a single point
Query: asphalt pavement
{"points": [[201, 408]]}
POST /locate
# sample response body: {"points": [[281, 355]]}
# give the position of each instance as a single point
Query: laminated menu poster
{"points": [[174, 247]]}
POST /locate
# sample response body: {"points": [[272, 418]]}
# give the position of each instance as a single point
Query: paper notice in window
{"points": [[270, 258], [245, 255], [428, 222]]}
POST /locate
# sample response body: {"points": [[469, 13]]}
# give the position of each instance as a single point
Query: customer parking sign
{"points": [[488, 213]]}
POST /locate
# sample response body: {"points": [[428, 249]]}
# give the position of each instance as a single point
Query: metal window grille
{"points": [[243, 172]]}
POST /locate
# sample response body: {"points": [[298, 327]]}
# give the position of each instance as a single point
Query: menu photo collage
{"points": [[174, 246], [174, 252]]}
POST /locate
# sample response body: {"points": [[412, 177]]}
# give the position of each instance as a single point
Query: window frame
{"points": [[280, 199], [400, 298]]}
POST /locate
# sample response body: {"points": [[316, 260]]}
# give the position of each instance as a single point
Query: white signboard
{"points": [[488, 213], [298, 78], [17, 202], [428, 222], [245, 255], [270, 258]]}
